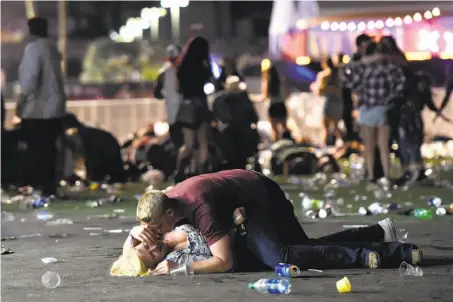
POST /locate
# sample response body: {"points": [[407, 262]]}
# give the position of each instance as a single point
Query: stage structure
{"points": [[304, 29]]}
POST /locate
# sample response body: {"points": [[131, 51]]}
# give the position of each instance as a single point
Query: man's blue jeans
{"points": [[274, 235]]}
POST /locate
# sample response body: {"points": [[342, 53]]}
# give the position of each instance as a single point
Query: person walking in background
{"points": [[273, 90], [41, 107], [378, 82], [328, 84], [194, 71], [167, 88]]}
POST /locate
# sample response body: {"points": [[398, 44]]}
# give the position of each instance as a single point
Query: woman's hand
{"points": [[164, 268]]}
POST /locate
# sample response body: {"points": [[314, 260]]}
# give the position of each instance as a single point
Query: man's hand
{"points": [[148, 234], [164, 268]]}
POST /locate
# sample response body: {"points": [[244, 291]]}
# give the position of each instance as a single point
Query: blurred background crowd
{"points": [[220, 89]]}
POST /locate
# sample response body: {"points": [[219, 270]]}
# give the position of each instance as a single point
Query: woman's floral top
{"points": [[197, 249]]}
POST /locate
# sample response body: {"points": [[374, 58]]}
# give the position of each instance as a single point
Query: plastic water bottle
{"points": [[423, 213], [272, 286]]}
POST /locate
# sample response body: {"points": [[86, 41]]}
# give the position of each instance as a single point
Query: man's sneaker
{"points": [[417, 256], [374, 260], [389, 230]]}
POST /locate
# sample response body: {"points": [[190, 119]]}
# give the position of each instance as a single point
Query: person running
{"points": [[273, 234]]}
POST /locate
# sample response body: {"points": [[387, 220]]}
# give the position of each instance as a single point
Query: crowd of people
{"points": [[377, 95]]}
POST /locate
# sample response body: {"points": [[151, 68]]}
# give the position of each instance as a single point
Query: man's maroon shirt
{"points": [[208, 201]]}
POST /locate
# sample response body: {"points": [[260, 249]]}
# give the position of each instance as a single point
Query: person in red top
{"points": [[273, 233]]}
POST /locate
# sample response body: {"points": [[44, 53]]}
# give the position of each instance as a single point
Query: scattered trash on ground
{"points": [[50, 279], [344, 285], [9, 238], [408, 270], [272, 286], [6, 251], [48, 260], [44, 215], [31, 235], [59, 221], [287, 270]]}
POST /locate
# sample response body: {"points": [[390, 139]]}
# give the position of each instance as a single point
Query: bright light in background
{"points": [[362, 26], [379, 24], [352, 26], [408, 19], [418, 56], [265, 64], [346, 59], [209, 88], [418, 17], [436, 12], [334, 26], [301, 24], [448, 38], [325, 25], [428, 40], [303, 60], [371, 25], [215, 69], [343, 26], [428, 15], [174, 3], [114, 36], [160, 128], [398, 21], [389, 22]]}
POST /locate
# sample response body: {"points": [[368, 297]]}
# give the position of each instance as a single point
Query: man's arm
{"points": [[221, 260], [160, 84]]}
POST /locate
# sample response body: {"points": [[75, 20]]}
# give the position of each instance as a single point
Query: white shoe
{"points": [[389, 230]]}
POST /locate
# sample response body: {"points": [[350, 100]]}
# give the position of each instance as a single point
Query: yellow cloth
{"points": [[129, 264]]}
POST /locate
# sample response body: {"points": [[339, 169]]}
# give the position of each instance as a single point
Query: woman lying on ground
{"points": [[183, 245]]}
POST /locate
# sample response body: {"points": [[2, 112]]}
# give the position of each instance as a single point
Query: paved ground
{"points": [[84, 274]]}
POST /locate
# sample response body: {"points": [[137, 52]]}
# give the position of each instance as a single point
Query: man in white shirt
{"points": [[41, 107]]}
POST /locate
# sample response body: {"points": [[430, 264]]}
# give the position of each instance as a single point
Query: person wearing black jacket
{"points": [[236, 119]]}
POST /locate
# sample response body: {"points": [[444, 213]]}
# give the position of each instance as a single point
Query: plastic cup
{"points": [[408, 270], [343, 285], [50, 279]]}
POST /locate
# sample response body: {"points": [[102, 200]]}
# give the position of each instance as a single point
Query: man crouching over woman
{"points": [[191, 225]]}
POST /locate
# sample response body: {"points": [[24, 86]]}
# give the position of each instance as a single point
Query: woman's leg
{"points": [[203, 135], [275, 130], [326, 130], [186, 152], [383, 137], [369, 140]]}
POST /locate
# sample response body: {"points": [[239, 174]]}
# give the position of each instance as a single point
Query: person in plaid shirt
{"points": [[378, 82]]}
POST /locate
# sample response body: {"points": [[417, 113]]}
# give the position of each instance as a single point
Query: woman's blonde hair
{"points": [[129, 265]]}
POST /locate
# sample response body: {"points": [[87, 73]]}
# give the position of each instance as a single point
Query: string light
{"points": [[362, 26], [380, 24], [389, 22], [436, 12], [408, 19]]}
